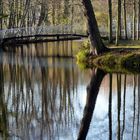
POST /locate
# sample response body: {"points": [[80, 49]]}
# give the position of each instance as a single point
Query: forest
{"points": [[69, 69], [116, 18]]}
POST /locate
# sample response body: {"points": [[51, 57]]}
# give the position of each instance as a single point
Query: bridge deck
{"points": [[41, 38], [41, 33]]}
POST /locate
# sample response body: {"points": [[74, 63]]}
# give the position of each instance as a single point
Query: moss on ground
{"points": [[117, 61], [124, 58], [122, 61], [84, 57]]}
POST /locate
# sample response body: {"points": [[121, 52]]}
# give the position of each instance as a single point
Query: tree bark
{"points": [[118, 29], [125, 22], [134, 19], [43, 12], [110, 20], [94, 33], [1, 14], [138, 20]]}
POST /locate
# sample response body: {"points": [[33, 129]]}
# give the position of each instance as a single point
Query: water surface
{"points": [[45, 97]]}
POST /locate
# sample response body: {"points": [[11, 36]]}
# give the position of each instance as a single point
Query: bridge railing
{"points": [[40, 30]]}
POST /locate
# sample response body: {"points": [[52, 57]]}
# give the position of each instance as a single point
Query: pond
{"points": [[49, 98]]}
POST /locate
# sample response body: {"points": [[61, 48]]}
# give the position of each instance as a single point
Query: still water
{"points": [[48, 98]]}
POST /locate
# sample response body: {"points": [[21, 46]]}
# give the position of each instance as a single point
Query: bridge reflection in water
{"points": [[50, 49], [43, 98]]}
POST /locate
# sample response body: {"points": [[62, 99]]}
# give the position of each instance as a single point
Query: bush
{"points": [[84, 52]]}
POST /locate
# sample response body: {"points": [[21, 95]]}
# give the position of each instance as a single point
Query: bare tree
{"points": [[118, 27], [110, 20]]}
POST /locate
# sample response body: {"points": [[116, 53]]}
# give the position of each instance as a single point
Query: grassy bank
{"points": [[122, 59]]}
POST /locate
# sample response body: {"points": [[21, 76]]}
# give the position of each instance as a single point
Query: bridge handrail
{"points": [[25, 31]]}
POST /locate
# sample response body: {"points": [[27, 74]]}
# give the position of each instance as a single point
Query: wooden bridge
{"points": [[41, 33]]}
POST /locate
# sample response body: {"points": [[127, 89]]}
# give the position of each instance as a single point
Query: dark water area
{"points": [[48, 98]]}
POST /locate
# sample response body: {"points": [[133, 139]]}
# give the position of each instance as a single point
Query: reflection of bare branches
{"points": [[110, 107], [117, 119], [119, 103], [134, 107], [124, 105], [3, 108], [138, 107], [39, 93]]}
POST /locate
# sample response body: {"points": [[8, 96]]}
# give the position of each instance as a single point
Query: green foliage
{"points": [[84, 56], [86, 45], [84, 52]]}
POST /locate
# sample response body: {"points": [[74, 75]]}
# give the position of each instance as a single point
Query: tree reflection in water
{"points": [[92, 92], [3, 108], [42, 98], [36, 95], [122, 123]]}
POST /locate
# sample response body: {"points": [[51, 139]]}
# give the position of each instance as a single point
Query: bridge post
{"points": [[57, 37]]}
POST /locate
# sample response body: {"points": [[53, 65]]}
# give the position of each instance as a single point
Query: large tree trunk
{"points": [[94, 33]]}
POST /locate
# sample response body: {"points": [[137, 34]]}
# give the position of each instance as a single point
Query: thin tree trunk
{"points": [[11, 6], [94, 33], [124, 18], [134, 18], [138, 20], [1, 14], [120, 29], [43, 13], [72, 16], [25, 13], [53, 13], [110, 20], [118, 22]]}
